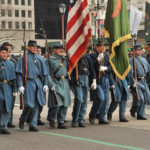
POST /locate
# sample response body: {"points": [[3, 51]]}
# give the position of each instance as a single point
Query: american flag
{"points": [[78, 31]]}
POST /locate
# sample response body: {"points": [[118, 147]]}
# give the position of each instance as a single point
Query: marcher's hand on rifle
{"points": [[94, 85], [53, 88], [45, 88], [135, 85], [112, 86], [21, 89], [102, 68], [15, 93], [100, 57]]}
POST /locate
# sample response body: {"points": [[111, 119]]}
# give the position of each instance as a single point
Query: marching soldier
{"points": [[142, 68], [119, 96], [101, 94], [14, 59], [39, 122], [36, 85], [7, 89], [80, 88], [59, 91]]}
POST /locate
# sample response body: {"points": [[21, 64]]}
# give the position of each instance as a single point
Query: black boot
{"points": [[5, 131], [109, 116], [34, 129], [123, 120], [62, 126], [52, 123], [11, 125], [21, 125], [40, 123]]}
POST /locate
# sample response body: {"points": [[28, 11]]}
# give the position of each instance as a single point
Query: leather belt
{"points": [[141, 78], [61, 77], [4, 81], [84, 69]]}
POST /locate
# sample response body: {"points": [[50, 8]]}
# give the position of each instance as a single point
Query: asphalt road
{"points": [[115, 136], [134, 135]]}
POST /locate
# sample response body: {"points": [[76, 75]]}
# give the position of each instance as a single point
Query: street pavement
{"points": [[134, 135]]}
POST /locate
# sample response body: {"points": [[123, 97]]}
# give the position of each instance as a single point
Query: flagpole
{"points": [[134, 66]]}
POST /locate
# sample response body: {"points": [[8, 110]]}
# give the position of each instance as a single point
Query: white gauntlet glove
{"points": [[112, 86], [100, 57], [45, 88], [102, 68], [15, 93], [21, 89], [94, 85], [53, 88]]}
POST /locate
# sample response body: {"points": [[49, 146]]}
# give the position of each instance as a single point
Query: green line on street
{"points": [[91, 141]]}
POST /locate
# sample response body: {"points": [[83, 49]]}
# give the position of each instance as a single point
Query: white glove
{"points": [[53, 88], [100, 57], [21, 89], [128, 86], [134, 85], [45, 88], [112, 86], [15, 93], [94, 85], [102, 68]]}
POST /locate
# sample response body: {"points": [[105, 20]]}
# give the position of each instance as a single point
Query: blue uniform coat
{"points": [[7, 72], [62, 85], [142, 69], [36, 78]]}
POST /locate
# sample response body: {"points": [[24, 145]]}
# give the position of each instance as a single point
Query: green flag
{"points": [[117, 28]]}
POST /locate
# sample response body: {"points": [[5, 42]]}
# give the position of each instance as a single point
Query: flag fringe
{"points": [[114, 44]]}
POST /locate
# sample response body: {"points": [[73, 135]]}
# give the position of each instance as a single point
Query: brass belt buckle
{"points": [[60, 64], [62, 77], [5, 81], [85, 69]]}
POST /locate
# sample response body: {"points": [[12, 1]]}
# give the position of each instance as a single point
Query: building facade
{"points": [[17, 22]]}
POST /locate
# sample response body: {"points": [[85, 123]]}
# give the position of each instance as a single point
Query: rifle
{"points": [[25, 71], [101, 61], [134, 66], [52, 76]]}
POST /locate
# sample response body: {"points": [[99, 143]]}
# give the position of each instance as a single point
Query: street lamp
{"points": [[100, 16], [62, 10]]}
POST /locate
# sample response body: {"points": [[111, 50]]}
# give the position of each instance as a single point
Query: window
{"points": [[30, 14], [30, 25], [17, 25], [9, 25], [9, 13], [16, 13], [23, 13], [2, 12], [16, 2], [3, 25], [9, 1], [2, 1], [22, 2], [29, 2], [23, 25]]}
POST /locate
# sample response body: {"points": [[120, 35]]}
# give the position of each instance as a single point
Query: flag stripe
{"points": [[77, 43], [77, 33], [79, 52], [73, 10], [76, 18], [77, 24]]}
